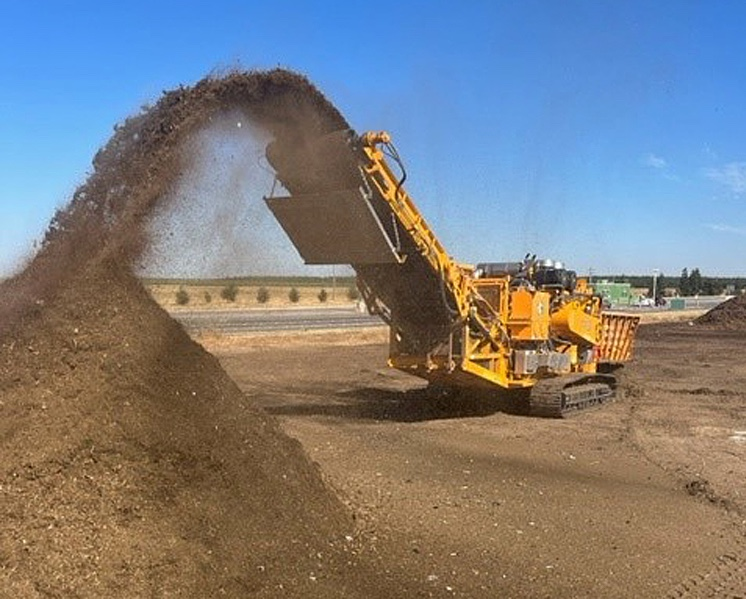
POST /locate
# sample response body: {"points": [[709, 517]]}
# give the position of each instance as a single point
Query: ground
{"points": [[644, 498], [131, 465]]}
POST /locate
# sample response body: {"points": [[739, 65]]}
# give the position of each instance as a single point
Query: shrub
{"points": [[229, 292], [208, 297], [293, 295], [323, 296], [262, 295], [353, 293], [182, 297]]}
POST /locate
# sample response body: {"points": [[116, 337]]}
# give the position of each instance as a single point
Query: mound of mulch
{"points": [[728, 315], [133, 466], [130, 464]]}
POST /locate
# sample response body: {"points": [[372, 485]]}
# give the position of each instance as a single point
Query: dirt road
{"points": [[646, 498]]}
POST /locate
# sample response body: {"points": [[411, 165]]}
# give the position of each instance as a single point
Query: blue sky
{"points": [[609, 135]]}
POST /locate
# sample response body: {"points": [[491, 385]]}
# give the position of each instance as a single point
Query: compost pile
{"points": [[728, 315], [131, 465]]}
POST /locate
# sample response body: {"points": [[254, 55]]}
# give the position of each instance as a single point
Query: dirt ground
{"points": [[645, 498]]}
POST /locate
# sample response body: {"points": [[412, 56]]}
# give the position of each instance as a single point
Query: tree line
{"points": [[687, 283]]}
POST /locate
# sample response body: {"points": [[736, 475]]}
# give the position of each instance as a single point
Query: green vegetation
{"points": [[262, 295], [294, 295], [182, 297], [323, 296], [352, 293], [688, 283], [208, 297], [229, 292]]}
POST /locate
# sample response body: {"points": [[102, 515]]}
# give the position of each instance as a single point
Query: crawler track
{"points": [[566, 396]]}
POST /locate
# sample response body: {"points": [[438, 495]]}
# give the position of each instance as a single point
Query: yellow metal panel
{"points": [[578, 319], [541, 316], [529, 315], [618, 336]]}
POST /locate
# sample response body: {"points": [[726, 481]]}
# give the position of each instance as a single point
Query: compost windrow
{"points": [[731, 314], [130, 464]]}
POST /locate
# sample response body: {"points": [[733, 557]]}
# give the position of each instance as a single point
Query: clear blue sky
{"points": [[607, 134]]}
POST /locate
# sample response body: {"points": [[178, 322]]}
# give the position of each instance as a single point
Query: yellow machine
{"points": [[518, 326]]}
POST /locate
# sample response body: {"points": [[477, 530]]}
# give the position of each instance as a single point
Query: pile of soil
{"points": [[728, 315], [131, 465]]}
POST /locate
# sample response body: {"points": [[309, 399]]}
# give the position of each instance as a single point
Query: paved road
{"points": [[293, 319], [303, 319]]}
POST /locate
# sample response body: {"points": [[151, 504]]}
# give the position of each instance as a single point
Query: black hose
{"points": [[391, 151]]}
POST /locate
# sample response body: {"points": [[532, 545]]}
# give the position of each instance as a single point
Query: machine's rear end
{"points": [[520, 325]]}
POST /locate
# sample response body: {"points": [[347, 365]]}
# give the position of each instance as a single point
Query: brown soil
{"points": [[728, 315], [644, 498], [131, 465]]}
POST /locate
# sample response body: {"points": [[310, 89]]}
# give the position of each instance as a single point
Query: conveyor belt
{"points": [[332, 221]]}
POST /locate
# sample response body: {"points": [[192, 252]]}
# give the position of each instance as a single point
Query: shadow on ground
{"points": [[417, 405]]}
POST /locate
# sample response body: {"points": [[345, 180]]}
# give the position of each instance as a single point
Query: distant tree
{"points": [[353, 293], [182, 297], [208, 297], [229, 292], [684, 286], [294, 295], [695, 282], [323, 296], [711, 287], [262, 295]]}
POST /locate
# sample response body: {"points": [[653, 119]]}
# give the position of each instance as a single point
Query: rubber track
{"points": [[565, 396]]}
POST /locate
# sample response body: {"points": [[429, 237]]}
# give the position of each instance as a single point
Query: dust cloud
{"points": [[130, 463], [215, 223]]}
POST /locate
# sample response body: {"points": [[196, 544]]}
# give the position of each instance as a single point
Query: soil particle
{"points": [[142, 162], [131, 465]]}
